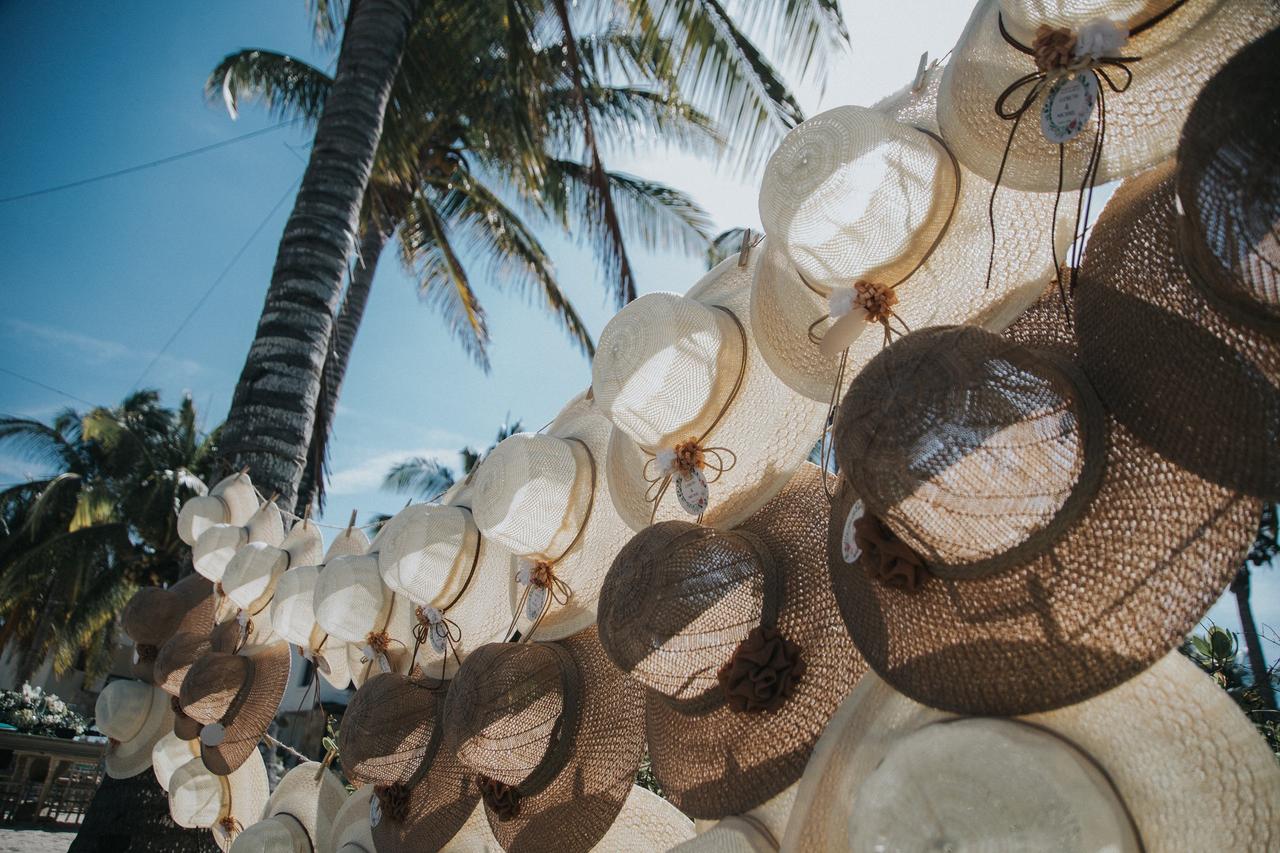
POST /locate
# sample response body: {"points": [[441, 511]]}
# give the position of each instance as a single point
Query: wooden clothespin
{"points": [[306, 517], [351, 523], [922, 71], [744, 251]]}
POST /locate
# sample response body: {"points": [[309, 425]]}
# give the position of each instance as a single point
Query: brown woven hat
{"points": [[234, 697], [387, 727], [1000, 543], [174, 661], [154, 614], [1187, 378], [555, 734], [735, 634]]}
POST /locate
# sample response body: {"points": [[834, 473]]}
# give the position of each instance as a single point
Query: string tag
{"points": [[376, 657], [135, 654], [242, 619], [384, 665], [213, 735], [375, 812], [1067, 107], [692, 491], [535, 602], [438, 634], [848, 540]]}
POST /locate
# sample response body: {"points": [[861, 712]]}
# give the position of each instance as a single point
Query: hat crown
{"points": [[293, 615], [530, 495], [200, 513], [424, 547], [169, 753], [972, 449], [664, 366], [853, 194], [678, 601], [272, 835], [1022, 18], [212, 685], [122, 709], [152, 615], [215, 548], [197, 798], [387, 728], [304, 544], [250, 573], [506, 708], [350, 597]]}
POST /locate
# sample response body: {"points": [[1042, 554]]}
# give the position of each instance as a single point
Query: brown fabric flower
{"points": [[379, 642], [876, 299], [394, 800], [542, 574], [146, 651], [888, 559], [762, 672], [501, 799], [1052, 47], [689, 456]]}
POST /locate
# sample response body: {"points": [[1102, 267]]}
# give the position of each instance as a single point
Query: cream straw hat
{"points": [[170, 753], [390, 647], [293, 617], [758, 831], [231, 501], [250, 577], [350, 598], [133, 716], [198, 799], [300, 812], [1166, 761], [351, 832], [220, 542], [696, 410], [647, 822], [543, 497]]}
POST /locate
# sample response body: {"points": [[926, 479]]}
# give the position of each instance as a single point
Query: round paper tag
{"points": [[375, 811], [692, 491], [213, 734], [535, 602], [1068, 106], [437, 639], [848, 541]]}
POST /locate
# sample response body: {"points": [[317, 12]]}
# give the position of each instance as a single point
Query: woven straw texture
{"points": [[425, 551], [242, 693], [1074, 621], [710, 760], [767, 426], [185, 648], [646, 823], [442, 796], [154, 614], [1227, 163], [893, 180], [397, 624], [135, 716], [200, 513], [1138, 734], [386, 728], [1178, 55], [239, 495], [506, 715], [730, 835], [170, 753], [1200, 388], [250, 578], [351, 832], [311, 795], [198, 798], [975, 451], [350, 598]]}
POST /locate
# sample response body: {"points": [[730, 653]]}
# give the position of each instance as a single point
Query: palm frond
{"points": [[418, 476], [807, 32], [40, 443], [630, 118], [285, 85]]}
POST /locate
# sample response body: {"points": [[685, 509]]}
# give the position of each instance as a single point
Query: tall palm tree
{"points": [[1266, 547]]}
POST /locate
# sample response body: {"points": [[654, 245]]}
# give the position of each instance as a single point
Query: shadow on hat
{"points": [[298, 816], [234, 697], [133, 716], [224, 804]]}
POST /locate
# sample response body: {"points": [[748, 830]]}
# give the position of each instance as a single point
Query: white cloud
{"points": [[100, 349], [366, 475]]}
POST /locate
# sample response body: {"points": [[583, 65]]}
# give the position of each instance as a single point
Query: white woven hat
{"points": [[250, 577], [1166, 761], [350, 598], [647, 822], [350, 832], [220, 542], [390, 646], [170, 753], [294, 619], [758, 831], [133, 716], [665, 374], [231, 501], [860, 203], [224, 804], [300, 812], [475, 836], [544, 498], [1179, 45]]}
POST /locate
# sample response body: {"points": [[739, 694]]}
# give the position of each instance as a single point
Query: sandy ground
{"points": [[35, 840]]}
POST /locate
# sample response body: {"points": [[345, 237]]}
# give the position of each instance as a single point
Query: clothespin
{"points": [[306, 516], [922, 70], [351, 523], [744, 251]]}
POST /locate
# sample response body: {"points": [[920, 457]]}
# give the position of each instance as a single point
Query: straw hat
{"points": [[170, 753], [1165, 761], [293, 618], [154, 614], [231, 501], [1188, 379], [475, 836], [220, 542], [133, 716], [757, 831], [390, 647], [665, 373], [350, 598], [1001, 541], [555, 734], [732, 633], [300, 813], [864, 207], [199, 799], [387, 727], [543, 497], [647, 822], [351, 832], [250, 577], [234, 698], [1180, 45]]}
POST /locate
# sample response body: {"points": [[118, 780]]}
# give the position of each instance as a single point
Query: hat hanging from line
{"points": [[154, 614], [133, 716], [218, 544], [1188, 379], [1026, 74], [999, 540], [731, 634], [231, 501], [555, 733], [250, 578], [351, 832], [647, 822], [298, 816], [1122, 771], [543, 497], [170, 753], [387, 728], [235, 697], [702, 427], [391, 646], [175, 659], [875, 229], [200, 799]]}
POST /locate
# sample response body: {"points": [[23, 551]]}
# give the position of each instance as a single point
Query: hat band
{"points": [[311, 845], [230, 825], [447, 631], [1206, 274], [565, 734]]}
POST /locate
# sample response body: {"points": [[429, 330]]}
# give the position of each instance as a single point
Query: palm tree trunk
{"points": [[1252, 644], [274, 406], [335, 369]]}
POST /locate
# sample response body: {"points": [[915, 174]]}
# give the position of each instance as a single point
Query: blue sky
{"points": [[96, 279]]}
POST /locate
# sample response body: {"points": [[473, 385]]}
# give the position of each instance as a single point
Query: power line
{"points": [[217, 281], [17, 375], [151, 164]]}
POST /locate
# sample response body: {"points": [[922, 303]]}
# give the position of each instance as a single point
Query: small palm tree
{"points": [[425, 479]]}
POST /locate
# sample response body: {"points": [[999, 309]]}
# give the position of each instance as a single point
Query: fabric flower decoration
{"points": [[501, 799], [763, 671], [888, 559]]}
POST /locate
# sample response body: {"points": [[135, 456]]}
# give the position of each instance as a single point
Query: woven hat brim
{"points": [[384, 746], [1074, 621], [474, 836], [1142, 123], [250, 791], [718, 762], [131, 757], [238, 493], [768, 426], [1138, 733], [351, 825], [577, 808], [1188, 380], [442, 795], [313, 802], [262, 697], [334, 654], [647, 822]]}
